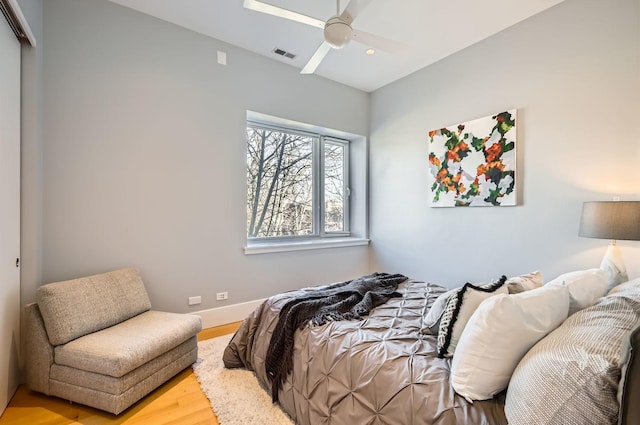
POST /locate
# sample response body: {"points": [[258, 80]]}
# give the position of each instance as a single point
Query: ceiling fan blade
{"points": [[380, 43], [353, 9], [270, 9], [317, 57]]}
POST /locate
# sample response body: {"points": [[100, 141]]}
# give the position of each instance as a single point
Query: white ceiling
{"points": [[430, 29]]}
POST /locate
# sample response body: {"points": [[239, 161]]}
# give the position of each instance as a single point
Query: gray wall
{"points": [[144, 156], [31, 151], [143, 160], [573, 73], [31, 155]]}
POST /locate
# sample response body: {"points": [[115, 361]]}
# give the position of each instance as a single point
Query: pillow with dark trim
{"points": [[459, 309], [515, 285]]}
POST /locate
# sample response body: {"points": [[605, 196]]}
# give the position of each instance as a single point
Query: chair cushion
{"points": [[122, 348], [77, 307], [111, 385]]}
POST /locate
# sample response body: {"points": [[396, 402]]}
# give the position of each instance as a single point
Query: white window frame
{"points": [[346, 190], [320, 238]]}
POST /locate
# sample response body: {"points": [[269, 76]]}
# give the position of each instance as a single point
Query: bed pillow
{"points": [[499, 334], [629, 386], [459, 309], [585, 287], [431, 321], [515, 285], [572, 375], [623, 286], [526, 282]]}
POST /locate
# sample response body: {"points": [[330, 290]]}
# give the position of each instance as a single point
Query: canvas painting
{"points": [[474, 163]]}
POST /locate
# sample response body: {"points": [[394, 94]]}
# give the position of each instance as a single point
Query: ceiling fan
{"points": [[338, 31]]}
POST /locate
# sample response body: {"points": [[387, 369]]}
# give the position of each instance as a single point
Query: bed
{"points": [[389, 368]]}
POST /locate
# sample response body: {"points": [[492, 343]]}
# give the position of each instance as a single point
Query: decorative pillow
{"points": [[629, 385], [624, 286], [499, 334], [585, 287], [571, 376], [431, 322], [526, 282], [459, 309], [515, 285]]}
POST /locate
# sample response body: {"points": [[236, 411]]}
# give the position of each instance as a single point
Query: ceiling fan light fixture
{"points": [[337, 33]]}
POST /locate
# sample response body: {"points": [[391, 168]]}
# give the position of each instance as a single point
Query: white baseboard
{"points": [[227, 314]]}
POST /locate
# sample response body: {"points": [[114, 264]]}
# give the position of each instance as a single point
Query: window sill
{"points": [[271, 247]]}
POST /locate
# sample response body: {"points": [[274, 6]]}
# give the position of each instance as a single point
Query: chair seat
{"points": [[119, 349]]}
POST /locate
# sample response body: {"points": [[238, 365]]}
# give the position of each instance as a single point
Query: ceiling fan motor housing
{"points": [[337, 33]]}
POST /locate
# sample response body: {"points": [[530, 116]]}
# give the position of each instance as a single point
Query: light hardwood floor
{"points": [[179, 401]]}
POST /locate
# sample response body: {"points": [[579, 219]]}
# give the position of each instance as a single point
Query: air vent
{"points": [[284, 53]]}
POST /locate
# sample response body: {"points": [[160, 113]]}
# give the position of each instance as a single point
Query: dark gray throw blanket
{"points": [[342, 301]]}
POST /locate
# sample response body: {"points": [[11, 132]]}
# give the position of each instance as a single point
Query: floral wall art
{"points": [[474, 163]]}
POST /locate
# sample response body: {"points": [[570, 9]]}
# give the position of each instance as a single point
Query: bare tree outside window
{"points": [[334, 187], [279, 183]]}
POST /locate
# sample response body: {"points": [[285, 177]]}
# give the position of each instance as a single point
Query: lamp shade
{"points": [[615, 220]]}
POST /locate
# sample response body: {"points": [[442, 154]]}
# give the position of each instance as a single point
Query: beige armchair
{"points": [[96, 341]]}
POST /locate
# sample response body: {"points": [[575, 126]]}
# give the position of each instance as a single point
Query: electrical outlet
{"points": [[221, 296], [195, 300]]}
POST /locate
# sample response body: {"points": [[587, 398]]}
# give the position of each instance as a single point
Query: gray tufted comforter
{"points": [[379, 370]]}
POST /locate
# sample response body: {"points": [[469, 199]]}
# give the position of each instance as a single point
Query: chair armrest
{"points": [[39, 352]]}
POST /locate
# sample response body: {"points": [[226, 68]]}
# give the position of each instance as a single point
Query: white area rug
{"points": [[235, 395]]}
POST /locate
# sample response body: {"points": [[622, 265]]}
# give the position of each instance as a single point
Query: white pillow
{"points": [[499, 333], [431, 322], [585, 287]]}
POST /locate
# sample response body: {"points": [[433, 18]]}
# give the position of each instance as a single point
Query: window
{"points": [[297, 184], [306, 186], [335, 185]]}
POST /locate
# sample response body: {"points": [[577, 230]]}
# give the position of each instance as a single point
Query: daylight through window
{"points": [[297, 184]]}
